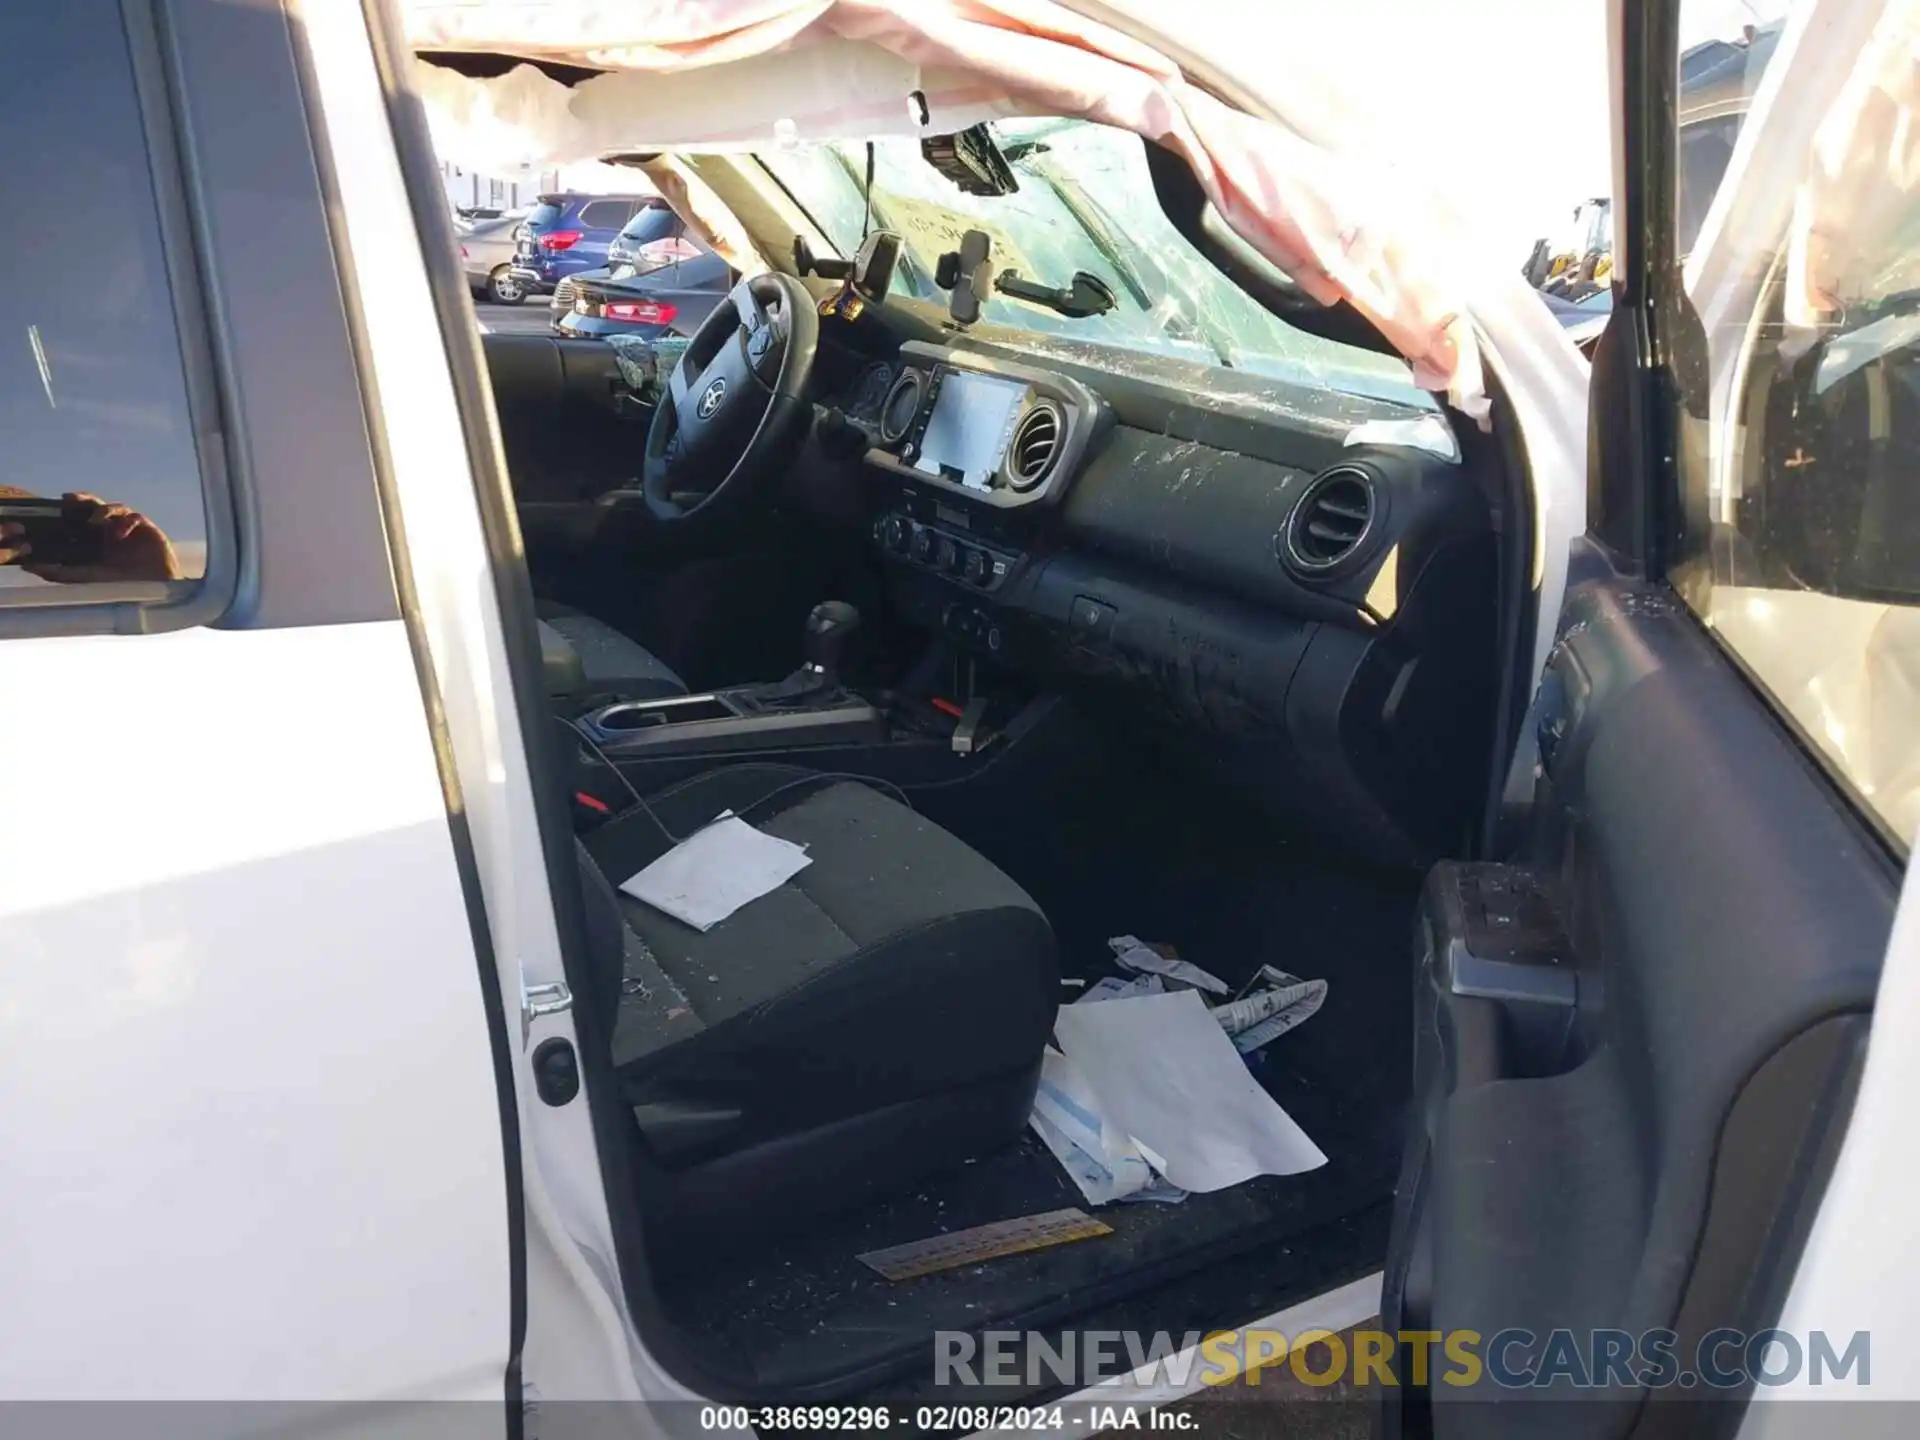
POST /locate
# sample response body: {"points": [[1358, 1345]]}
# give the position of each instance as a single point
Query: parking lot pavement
{"points": [[527, 319]]}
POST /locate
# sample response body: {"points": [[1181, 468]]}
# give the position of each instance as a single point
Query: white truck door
{"points": [[253, 1141]]}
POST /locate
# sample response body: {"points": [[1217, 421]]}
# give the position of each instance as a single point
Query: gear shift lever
{"points": [[830, 627]]}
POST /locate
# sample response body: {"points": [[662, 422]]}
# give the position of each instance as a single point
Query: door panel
{"points": [[1625, 1126], [254, 1142], [1640, 1037], [252, 1130]]}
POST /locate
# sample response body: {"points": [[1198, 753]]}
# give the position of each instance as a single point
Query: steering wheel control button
{"points": [[1090, 619]]}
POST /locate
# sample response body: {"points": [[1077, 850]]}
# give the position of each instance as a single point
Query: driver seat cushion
{"points": [[880, 1015], [614, 664]]}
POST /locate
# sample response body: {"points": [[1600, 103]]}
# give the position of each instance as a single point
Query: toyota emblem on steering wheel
{"points": [[711, 398]]}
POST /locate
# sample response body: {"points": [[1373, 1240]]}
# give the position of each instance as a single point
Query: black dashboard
{"points": [[1207, 550]]}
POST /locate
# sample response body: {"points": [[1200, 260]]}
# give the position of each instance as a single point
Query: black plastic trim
{"points": [[1632, 490], [1780, 1140]]}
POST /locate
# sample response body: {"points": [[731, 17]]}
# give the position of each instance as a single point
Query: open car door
{"points": [[1639, 1040]]}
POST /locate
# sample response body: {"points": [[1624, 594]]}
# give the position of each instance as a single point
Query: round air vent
{"points": [[1330, 522], [903, 404], [1035, 446]]}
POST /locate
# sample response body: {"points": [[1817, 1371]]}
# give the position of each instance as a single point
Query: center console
{"points": [[809, 707], [740, 718]]}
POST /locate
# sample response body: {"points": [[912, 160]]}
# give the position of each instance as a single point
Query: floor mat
{"points": [[1166, 865]]}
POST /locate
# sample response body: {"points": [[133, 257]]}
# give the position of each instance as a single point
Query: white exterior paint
{"points": [[247, 1080], [580, 1341]]}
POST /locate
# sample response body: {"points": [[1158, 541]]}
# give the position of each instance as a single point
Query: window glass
{"points": [[1086, 202], [1800, 459], [544, 214], [93, 399], [652, 222], [606, 214]]}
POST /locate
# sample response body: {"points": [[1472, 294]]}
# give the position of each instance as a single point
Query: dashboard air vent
{"points": [[1035, 445], [902, 407], [1330, 521]]}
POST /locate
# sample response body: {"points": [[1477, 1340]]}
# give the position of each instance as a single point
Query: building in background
{"points": [[469, 190]]}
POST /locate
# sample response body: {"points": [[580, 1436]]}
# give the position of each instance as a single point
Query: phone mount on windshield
{"points": [[864, 279], [968, 274]]}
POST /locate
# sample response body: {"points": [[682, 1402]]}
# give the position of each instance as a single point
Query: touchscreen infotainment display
{"points": [[970, 427]]}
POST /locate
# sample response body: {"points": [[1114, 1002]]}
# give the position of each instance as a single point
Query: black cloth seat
{"points": [[879, 1016], [614, 665]]}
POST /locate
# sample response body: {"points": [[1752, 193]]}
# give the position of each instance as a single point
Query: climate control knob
{"points": [[946, 556], [921, 546], [977, 567], [896, 534]]}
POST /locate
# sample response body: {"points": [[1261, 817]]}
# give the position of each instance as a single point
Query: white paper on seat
{"points": [[712, 873], [1167, 1074]]}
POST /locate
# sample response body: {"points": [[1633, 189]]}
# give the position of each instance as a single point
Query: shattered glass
{"points": [[1086, 202]]}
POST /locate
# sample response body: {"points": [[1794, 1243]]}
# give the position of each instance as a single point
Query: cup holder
{"points": [[636, 715]]}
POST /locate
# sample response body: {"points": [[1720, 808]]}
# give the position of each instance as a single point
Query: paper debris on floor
{"points": [[983, 1242], [1166, 1075], [1268, 1006], [1145, 959], [712, 873], [1094, 1152], [1112, 987]]}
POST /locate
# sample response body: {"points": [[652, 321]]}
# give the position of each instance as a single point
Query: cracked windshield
{"points": [[1085, 202]]}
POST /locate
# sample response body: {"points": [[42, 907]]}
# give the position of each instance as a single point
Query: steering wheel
{"points": [[735, 401]]}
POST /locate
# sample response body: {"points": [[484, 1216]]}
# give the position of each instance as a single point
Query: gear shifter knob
{"points": [[830, 626]]}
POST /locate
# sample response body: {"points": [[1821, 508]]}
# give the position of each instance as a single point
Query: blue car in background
{"points": [[570, 232], [668, 288], [650, 225]]}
